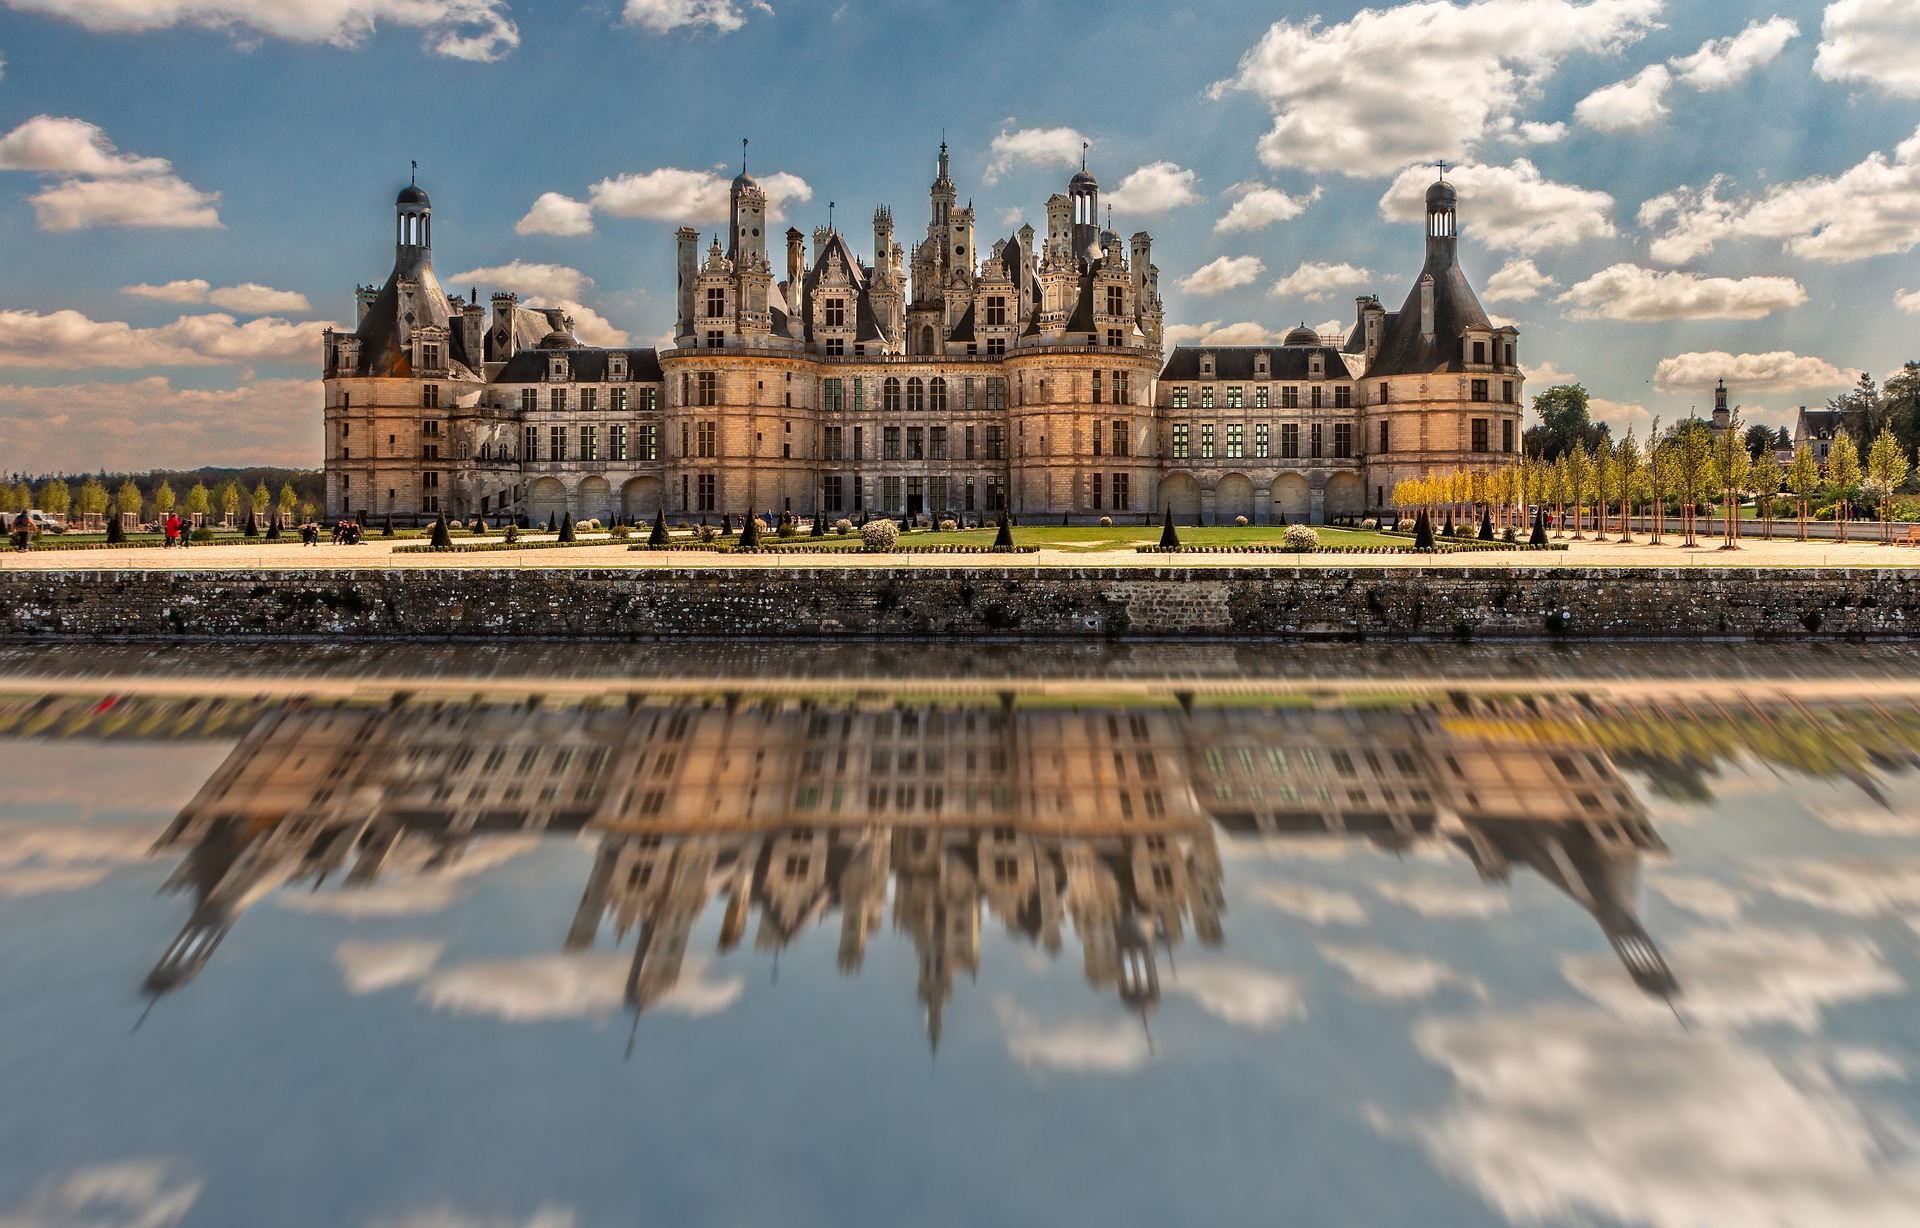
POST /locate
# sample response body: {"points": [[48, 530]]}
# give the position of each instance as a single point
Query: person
{"points": [[172, 530], [22, 532]]}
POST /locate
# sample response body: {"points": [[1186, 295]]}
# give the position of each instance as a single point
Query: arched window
{"points": [[939, 387], [890, 395], [916, 396]]}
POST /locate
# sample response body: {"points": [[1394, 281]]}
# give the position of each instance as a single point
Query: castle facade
{"points": [[941, 381]]}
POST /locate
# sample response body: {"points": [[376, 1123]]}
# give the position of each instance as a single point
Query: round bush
{"points": [[843, 526], [1302, 538], [1106, 522], [708, 532], [1240, 522], [620, 532], [1369, 523], [786, 530], [948, 526], [879, 536]]}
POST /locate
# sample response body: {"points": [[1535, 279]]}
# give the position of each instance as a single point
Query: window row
{"points": [[642, 400], [838, 394], [914, 496], [1232, 443], [1233, 396], [623, 443]]}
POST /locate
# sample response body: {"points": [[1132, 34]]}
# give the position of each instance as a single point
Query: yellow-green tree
{"points": [[1766, 479], [261, 497], [1886, 468], [93, 497], [1693, 475], [1843, 476], [1558, 481], [1803, 480], [230, 497], [287, 501], [199, 500], [1629, 472], [128, 501], [163, 499], [1605, 488], [1579, 482], [10, 498], [1732, 466], [56, 497]]}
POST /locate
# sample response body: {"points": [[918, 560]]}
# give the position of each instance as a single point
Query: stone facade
{"points": [[936, 381]]}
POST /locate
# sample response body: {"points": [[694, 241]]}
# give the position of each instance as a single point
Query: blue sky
{"points": [[255, 146]]}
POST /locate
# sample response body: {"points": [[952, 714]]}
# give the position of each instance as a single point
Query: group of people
{"points": [[177, 531], [23, 532], [345, 533]]}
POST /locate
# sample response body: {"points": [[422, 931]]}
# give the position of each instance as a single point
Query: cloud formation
{"points": [[1507, 207], [96, 184], [1033, 147], [1314, 280], [148, 423], [1223, 273], [661, 16], [369, 967], [1213, 332], [1314, 905], [1850, 886], [1393, 976], [556, 213], [67, 340], [1075, 1046], [248, 298], [1629, 292], [1775, 371], [143, 1193], [1719, 63], [1257, 205], [1633, 103], [1517, 280], [1872, 42], [1240, 994], [567, 987], [462, 29], [1154, 188], [674, 195], [448, 1216], [1458, 75], [1430, 897]]}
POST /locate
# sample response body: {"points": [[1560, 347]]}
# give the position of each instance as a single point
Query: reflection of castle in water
{"points": [[1095, 821]]}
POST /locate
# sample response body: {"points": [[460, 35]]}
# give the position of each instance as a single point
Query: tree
{"points": [[1629, 476], [440, 538], [566, 528], [659, 537], [287, 499], [1559, 480], [1803, 479], [199, 500], [1843, 476], [1605, 485], [230, 497], [1863, 412], [1692, 471], [55, 497], [261, 498], [1758, 440], [749, 532], [1766, 481], [128, 500], [1003, 540], [93, 497], [1565, 423], [163, 498], [1422, 531], [1886, 469], [1579, 482], [1732, 466]]}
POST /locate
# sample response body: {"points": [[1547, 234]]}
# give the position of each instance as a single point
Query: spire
{"points": [[1083, 154], [743, 155], [943, 153], [413, 179]]}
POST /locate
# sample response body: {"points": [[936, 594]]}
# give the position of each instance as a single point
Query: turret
{"points": [[687, 269], [412, 231], [506, 338], [363, 297], [1720, 412], [746, 237], [1442, 239]]}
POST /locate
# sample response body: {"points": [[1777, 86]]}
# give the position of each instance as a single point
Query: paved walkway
{"points": [[379, 553]]}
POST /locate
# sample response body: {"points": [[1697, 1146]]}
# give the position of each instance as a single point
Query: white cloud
{"points": [[130, 1194], [1871, 41], [1853, 887], [1858, 1064], [1458, 73], [250, 298], [1034, 147], [1314, 280], [663, 15], [1721, 62], [1532, 132], [462, 29], [1868, 820], [1907, 300], [1518, 279], [1242, 995], [1074, 1047], [398, 897], [70, 341], [1394, 976], [568, 987], [1775, 371], [1331, 328], [1507, 207], [1258, 205], [1223, 273], [1872, 208], [56, 145], [675, 195], [448, 1216], [556, 214], [1629, 292], [1431, 897], [45, 880], [193, 290], [64, 845], [1702, 896], [1746, 977], [1315, 905], [144, 423], [1213, 332], [1154, 188], [165, 201], [1633, 103], [1571, 1116], [369, 967], [589, 325], [524, 278]]}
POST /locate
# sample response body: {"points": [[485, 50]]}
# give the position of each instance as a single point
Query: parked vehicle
{"points": [[46, 522]]}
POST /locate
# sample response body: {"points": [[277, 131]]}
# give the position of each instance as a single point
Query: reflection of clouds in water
{"points": [[129, 1194], [1868, 820], [44, 880], [1080, 1046], [1747, 977], [1563, 1114], [411, 892], [85, 777], [1705, 897], [39, 859], [1443, 901], [448, 1217], [1241, 994], [369, 967], [1318, 905], [1860, 1064], [568, 987], [1851, 886], [1293, 848], [1394, 976]]}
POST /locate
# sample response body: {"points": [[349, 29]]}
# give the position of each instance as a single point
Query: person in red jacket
{"points": [[173, 530]]}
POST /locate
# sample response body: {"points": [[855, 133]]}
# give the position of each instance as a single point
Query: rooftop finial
{"points": [[1083, 154], [743, 155], [413, 179], [829, 215], [1442, 167]]}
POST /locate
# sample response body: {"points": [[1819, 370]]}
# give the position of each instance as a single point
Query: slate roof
{"points": [[1235, 362], [381, 352], [588, 365], [1818, 423], [1403, 349]]}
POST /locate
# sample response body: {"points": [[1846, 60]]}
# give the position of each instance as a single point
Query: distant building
{"points": [[1816, 428]]}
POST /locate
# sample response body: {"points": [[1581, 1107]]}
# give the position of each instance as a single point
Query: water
{"points": [[762, 933]]}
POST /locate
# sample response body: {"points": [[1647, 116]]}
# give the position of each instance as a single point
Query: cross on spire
{"points": [[1442, 166]]}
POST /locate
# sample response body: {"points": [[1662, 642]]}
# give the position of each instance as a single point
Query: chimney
{"points": [[364, 296], [506, 342], [796, 261], [687, 265]]}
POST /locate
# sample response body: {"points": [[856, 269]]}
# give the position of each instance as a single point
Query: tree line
{"points": [[158, 496]]}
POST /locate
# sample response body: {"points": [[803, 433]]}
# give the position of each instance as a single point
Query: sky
{"points": [[1658, 195]]}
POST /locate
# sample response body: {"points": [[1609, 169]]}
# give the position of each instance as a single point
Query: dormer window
{"points": [[1206, 366], [1316, 366], [430, 356], [836, 313], [716, 303], [557, 367], [1262, 366], [1480, 353], [617, 369]]}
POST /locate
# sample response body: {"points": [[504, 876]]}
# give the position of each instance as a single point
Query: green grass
{"points": [[1092, 539]]}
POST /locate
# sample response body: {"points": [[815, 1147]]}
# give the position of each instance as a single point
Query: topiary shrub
{"points": [[273, 529], [949, 526], [1003, 540], [441, 539], [1507, 535], [1106, 522], [843, 526], [659, 535], [512, 534], [707, 532], [1239, 522], [879, 536], [1539, 536], [1370, 523], [1422, 532], [566, 528], [1301, 538], [786, 530], [252, 528], [202, 534], [620, 532]]}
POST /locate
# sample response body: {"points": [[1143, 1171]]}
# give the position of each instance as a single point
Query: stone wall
{"points": [[1277, 602]]}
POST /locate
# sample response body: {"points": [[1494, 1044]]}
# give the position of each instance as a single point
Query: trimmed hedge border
{"points": [[1461, 548], [851, 549], [486, 547], [286, 539]]}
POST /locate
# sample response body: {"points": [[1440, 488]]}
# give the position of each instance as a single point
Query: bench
{"points": [[1910, 538]]}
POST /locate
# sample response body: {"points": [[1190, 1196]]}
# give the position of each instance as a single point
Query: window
{"points": [[1233, 397], [557, 443], [1116, 301], [706, 388], [836, 313], [430, 357], [1506, 391], [968, 389], [619, 400], [530, 444], [916, 396], [830, 395], [1120, 393], [1342, 397], [1343, 440], [1098, 431], [916, 449], [1383, 439], [832, 442], [937, 394], [1506, 435], [649, 400], [996, 311], [1121, 502], [859, 395], [1480, 435], [557, 400], [1384, 398], [1479, 390], [529, 400], [1179, 398], [1289, 397], [1096, 387], [1318, 392], [890, 443], [836, 347], [996, 443], [996, 494], [648, 446], [716, 340], [1180, 441], [706, 436], [589, 400], [890, 494], [1095, 480], [890, 394], [1116, 338], [1121, 432], [1260, 440], [1235, 441], [706, 485], [996, 393], [716, 302], [1290, 441], [969, 452], [937, 443], [430, 396], [1206, 396], [831, 497], [995, 346], [1206, 441], [589, 443], [1316, 454], [1480, 352]]}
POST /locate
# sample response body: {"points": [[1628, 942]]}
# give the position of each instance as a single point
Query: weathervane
{"points": [[743, 155], [414, 178], [830, 217], [1083, 154]]}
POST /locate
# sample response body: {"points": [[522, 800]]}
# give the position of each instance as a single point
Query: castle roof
{"points": [[1235, 362], [587, 364]]}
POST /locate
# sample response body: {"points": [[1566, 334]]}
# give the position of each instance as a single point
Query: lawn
{"points": [[1091, 539]]}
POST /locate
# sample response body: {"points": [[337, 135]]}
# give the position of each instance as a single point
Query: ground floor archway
{"points": [[546, 499], [640, 498], [1291, 498], [1181, 493], [1233, 497], [595, 500], [1345, 496]]}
